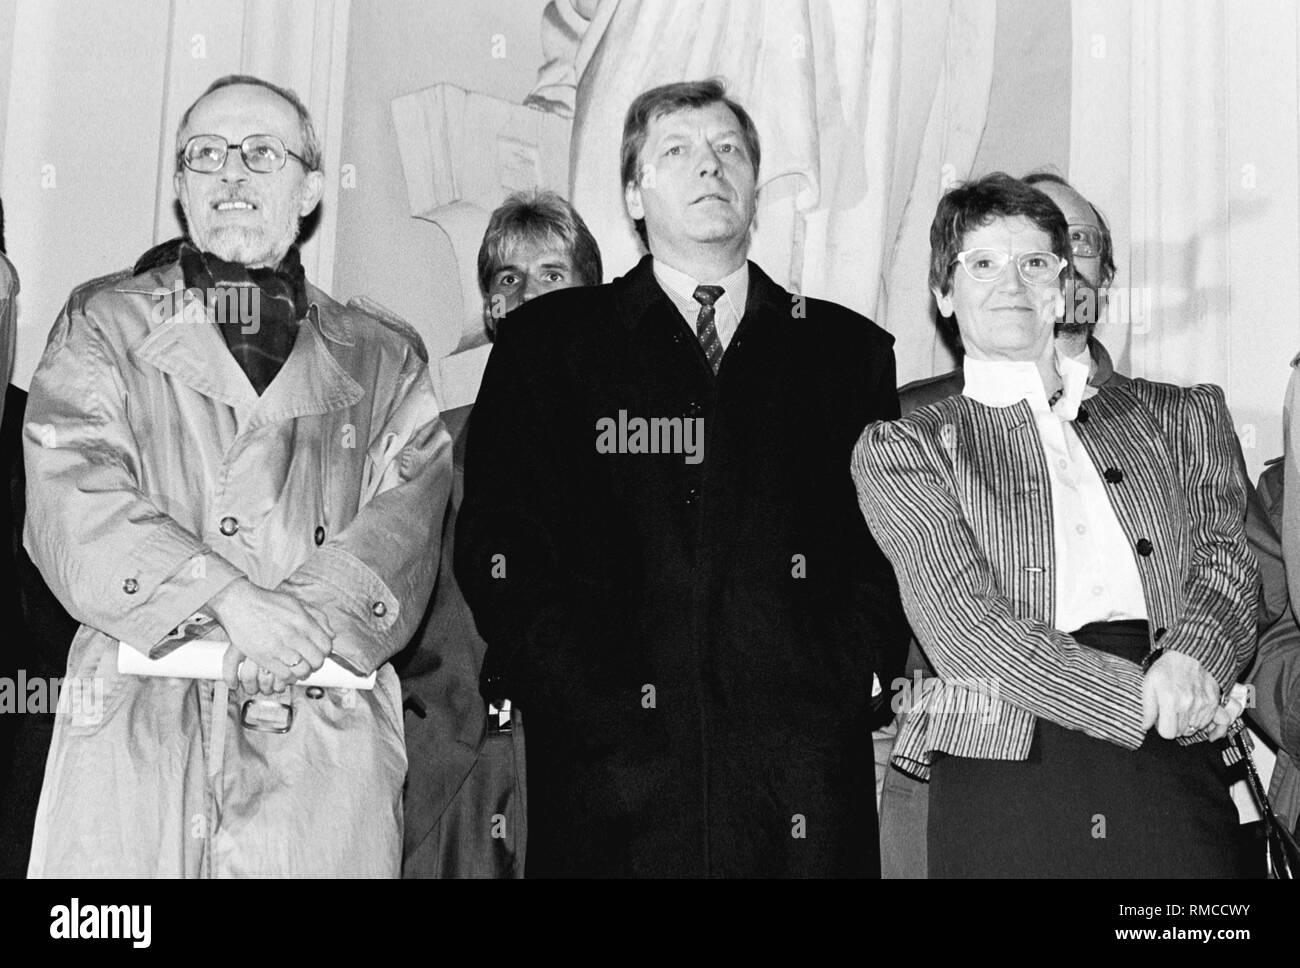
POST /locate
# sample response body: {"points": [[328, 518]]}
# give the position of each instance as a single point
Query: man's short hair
{"points": [[538, 216], [311, 153], [2, 228], [977, 203], [1107, 253], [666, 99]]}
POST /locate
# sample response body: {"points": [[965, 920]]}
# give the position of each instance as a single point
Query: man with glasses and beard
{"points": [[215, 441]]}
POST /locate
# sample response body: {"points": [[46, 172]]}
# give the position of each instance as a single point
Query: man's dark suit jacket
{"points": [[692, 645]]}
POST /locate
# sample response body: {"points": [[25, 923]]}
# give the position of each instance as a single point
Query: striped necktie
{"points": [[705, 328]]}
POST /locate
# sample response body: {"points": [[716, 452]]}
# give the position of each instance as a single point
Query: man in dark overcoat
{"points": [[661, 544]]}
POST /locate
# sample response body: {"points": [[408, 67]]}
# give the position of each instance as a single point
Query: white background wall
{"points": [[1185, 126], [81, 142]]}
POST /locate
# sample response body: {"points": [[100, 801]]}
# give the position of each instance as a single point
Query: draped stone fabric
{"points": [[462, 153]]}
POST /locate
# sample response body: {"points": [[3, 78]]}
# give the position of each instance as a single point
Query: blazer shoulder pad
{"points": [[926, 427], [368, 310], [1155, 393], [884, 446]]}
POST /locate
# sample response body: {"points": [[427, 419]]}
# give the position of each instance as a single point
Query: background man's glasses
{"points": [[987, 265], [262, 153], [1085, 241]]}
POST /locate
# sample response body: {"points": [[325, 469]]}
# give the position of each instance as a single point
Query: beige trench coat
{"points": [[142, 439]]}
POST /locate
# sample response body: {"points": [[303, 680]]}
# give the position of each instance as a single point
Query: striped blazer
{"points": [[958, 496]]}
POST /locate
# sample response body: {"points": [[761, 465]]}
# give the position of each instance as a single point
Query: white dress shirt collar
{"points": [[1004, 383], [680, 287]]}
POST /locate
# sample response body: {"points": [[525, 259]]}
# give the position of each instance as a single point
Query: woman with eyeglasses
{"points": [[1073, 562]]}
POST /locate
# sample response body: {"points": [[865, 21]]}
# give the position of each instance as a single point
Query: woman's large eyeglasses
{"points": [[262, 153], [987, 265]]}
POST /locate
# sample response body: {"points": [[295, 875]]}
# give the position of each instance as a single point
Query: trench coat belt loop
{"points": [[217, 747]]}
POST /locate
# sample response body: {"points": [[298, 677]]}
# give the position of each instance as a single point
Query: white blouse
{"points": [[1096, 574]]}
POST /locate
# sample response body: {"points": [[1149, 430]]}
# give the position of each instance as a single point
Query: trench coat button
{"points": [[229, 526], [379, 610], [319, 536], [1113, 475], [694, 409], [692, 495], [1144, 547], [315, 692], [1082, 415], [130, 586]]}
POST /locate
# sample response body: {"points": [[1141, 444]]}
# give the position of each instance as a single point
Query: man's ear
{"points": [[943, 302], [1059, 300], [632, 201], [313, 186]]}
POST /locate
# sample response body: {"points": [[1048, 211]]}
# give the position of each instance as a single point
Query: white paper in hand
{"points": [[203, 658]]}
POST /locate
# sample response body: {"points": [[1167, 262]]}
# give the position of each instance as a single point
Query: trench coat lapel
{"points": [[188, 347], [311, 382]]}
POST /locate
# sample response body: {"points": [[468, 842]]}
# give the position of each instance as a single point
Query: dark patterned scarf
{"points": [[257, 310]]}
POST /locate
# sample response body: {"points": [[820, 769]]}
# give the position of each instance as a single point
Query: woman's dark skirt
{"points": [[1083, 807]]}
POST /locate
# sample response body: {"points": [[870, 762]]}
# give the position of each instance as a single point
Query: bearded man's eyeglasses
{"points": [[1085, 241], [262, 153]]}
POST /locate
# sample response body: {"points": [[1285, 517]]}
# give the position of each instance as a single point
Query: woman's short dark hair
{"points": [[666, 99], [538, 216], [977, 203]]}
